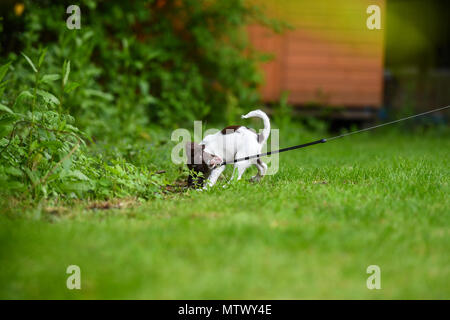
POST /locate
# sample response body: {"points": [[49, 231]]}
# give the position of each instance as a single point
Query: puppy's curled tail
{"points": [[262, 137]]}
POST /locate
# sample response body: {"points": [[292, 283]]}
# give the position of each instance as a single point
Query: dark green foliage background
{"points": [[140, 62]]}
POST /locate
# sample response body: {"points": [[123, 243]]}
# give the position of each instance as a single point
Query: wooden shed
{"points": [[330, 59]]}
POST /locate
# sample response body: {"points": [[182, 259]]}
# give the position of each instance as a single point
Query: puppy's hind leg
{"points": [[262, 168], [241, 167]]}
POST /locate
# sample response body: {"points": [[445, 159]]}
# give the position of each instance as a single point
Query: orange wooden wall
{"points": [[331, 58]]}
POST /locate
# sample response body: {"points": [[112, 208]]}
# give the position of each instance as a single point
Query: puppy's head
{"points": [[200, 162]]}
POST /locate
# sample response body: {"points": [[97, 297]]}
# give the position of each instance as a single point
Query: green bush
{"points": [[42, 153]]}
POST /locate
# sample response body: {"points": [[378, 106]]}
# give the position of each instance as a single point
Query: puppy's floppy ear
{"points": [[211, 160]]}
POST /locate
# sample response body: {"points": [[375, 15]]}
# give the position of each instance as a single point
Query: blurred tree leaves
{"points": [[164, 62]]}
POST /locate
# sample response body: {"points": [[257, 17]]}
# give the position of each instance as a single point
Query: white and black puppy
{"points": [[233, 142]]}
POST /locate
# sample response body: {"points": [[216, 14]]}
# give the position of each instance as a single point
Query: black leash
{"points": [[332, 138]]}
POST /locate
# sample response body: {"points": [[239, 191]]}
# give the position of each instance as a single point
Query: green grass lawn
{"points": [[310, 231]]}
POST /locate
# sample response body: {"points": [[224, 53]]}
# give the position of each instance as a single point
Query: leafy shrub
{"points": [[42, 153]]}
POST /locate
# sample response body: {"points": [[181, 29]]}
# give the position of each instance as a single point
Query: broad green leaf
{"points": [[23, 94], [5, 108], [30, 62], [78, 174], [14, 171], [48, 97], [72, 128], [48, 78], [66, 72]]}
